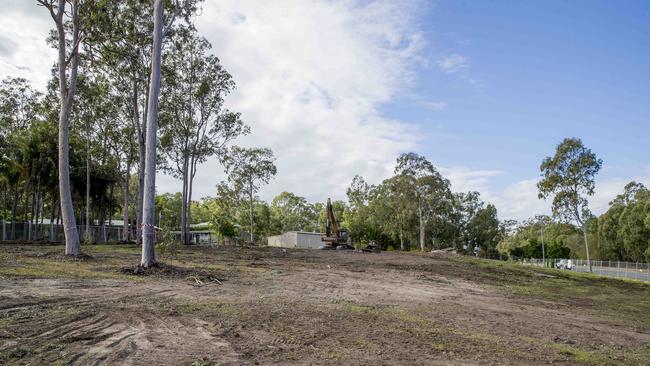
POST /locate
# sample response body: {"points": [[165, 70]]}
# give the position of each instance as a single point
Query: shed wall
{"points": [[309, 240]]}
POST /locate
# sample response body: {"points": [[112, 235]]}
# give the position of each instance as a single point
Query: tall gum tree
{"points": [[148, 232], [247, 169], [193, 122], [67, 90], [569, 177], [427, 186]]}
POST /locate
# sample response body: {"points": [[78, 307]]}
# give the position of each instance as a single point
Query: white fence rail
{"points": [[631, 270]]}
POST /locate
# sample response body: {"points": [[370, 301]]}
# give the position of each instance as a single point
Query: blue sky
{"points": [[535, 72], [483, 89]]}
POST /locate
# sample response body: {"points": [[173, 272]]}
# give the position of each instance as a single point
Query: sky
{"points": [[484, 89]]}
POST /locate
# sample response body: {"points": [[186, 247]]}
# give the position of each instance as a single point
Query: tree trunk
{"points": [[87, 233], [4, 212], [110, 206], [66, 95], [422, 232], [52, 236], [183, 222], [188, 222], [26, 210], [250, 198], [32, 212], [37, 211], [401, 241], [142, 130], [148, 250], [125, 209], [142, 150], [584, 231], [14, 212]]}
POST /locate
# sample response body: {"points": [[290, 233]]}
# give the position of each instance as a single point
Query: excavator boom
{"points": [[334, 237]]}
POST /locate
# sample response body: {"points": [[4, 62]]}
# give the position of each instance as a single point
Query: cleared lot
{"points": [[268, 306]]}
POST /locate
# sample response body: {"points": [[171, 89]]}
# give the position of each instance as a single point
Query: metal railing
{"points": [[631, 270]]}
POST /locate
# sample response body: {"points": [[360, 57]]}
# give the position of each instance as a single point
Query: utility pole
{"points": [[543, 249]]}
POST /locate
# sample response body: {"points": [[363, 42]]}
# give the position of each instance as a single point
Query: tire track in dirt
{"points": [[94, 331]]}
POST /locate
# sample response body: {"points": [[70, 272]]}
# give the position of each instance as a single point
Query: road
{"points": [[632, 273]]}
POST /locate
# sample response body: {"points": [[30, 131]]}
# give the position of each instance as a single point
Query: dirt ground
{"points": [[238, 306]]}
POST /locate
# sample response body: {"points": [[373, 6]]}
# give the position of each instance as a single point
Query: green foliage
{"points": [[623, 231], [526, 240], [569, 176], [166, 244], [290, 212], [168, 206]]}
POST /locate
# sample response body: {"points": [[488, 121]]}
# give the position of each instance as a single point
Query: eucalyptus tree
{"points": [[67, 68], [193, 122], [94, 112], [18, 105], [610, 237], [569, 177], [19, 108], [184, 9], [149, 195], [357, 217], [429, 189], [247, 169], [290, 212], [394, 206], [633, 230]]}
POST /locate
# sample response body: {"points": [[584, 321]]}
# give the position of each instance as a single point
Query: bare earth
{"points": [[235, 306]]}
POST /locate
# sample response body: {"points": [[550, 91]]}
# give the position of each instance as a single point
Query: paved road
{"points": [[641, 275]]}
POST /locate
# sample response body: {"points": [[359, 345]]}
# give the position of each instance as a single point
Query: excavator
{"points": [[339, 239], [334, 237]]}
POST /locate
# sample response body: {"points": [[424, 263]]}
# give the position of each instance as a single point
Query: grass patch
{"points": [[612, 298]]}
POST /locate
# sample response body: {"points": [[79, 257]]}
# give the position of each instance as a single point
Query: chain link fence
{"points": [[631, 270], [54, 233]]}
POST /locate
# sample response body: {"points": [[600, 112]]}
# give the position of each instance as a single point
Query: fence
{"points": [[54, 233], [631, 270]]}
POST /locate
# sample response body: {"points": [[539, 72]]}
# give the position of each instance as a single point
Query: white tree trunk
{"points": [[184, 205], [422, 232], [584, 231], [4, 210], [66, 96], [190, 182], [125, 209], [87, 236], [141, 131], [148, 249], [138, 217], [250, 197], [52, 236]]}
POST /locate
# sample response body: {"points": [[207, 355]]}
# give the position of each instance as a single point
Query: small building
{"points": [[296, 239]]}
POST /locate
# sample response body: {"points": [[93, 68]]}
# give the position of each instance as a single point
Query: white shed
{"points": [[296, 239]]}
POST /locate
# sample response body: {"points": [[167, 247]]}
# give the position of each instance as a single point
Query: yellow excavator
{"points": [[334, 237]]}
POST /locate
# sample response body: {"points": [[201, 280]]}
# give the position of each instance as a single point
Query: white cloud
{"points": [[453, 64], [310, 79], [519, 200], [24, 52], [464, 179], [311, 76]]}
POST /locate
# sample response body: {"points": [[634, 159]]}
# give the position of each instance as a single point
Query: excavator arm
{"points": [[332, 225], [334, 237]]}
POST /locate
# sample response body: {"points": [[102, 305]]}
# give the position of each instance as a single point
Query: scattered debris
{"points": [[372, 247], [206, 281]]}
